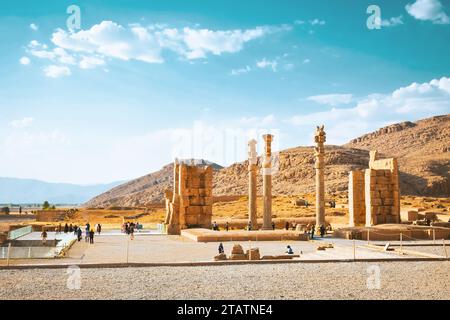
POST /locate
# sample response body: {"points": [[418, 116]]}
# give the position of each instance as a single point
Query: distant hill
{"points": [[422, 148], [144, 190], [13, 190], [423, 151]]}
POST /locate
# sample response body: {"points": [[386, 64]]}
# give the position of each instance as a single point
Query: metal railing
{"points": [[12, 235]]}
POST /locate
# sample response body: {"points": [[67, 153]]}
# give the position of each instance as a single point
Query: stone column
{"points": [[252, 195], [320, 138], [267, 182]]}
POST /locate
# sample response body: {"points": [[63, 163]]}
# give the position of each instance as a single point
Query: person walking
{"points": [[79, 234], [99, 228], [322, 231], [91, 236], [312, 231], [44, 237], [221, 249], [227, 226], [66, 228], [273, 225], [132, 232], [287, 226]]}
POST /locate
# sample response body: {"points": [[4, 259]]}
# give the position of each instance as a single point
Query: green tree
{"points": [[46, 205]]}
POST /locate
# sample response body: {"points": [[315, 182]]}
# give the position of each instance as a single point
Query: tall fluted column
{"points": [[252, 168], [267, 182], [320, 138]]}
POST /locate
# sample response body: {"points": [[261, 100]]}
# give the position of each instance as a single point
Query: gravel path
{"points": [[399, 280]]}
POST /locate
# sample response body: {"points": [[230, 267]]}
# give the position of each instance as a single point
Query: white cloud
{"points": [[428, 10], [332, 99], [147, 43], [392, 22], [313, 22], [264, 63], [306, 61], [317, 22], [54, 71], [236, 72], [90, 48], [91, 62], [34, 27], [22, 123], [25, 61], [57, 54], [411, 102]]}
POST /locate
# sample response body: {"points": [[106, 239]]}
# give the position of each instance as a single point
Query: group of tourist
{"points": [[130, 227], [312, 230], [78, 232]]}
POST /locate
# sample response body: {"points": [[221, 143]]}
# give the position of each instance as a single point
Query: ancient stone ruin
{"points": [[267, 183], [320, 138], [189, 205], [373, 194], [252, 172]]}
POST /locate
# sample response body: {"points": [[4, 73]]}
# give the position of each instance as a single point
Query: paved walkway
{"points": [[148, 248]]}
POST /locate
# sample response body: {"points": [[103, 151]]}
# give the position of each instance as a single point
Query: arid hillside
{"points": [[423, 150]]}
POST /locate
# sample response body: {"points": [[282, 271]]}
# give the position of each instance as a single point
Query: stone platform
{"points": [[206, 235], [390, 232]]}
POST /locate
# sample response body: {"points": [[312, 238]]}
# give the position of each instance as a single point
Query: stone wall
{"points": [[190, 203], [374, 197], [356, 198]]}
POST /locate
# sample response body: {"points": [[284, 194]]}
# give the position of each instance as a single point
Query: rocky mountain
{"points": [[20, 191], [422, 147], [142, 191], [423, 152]]}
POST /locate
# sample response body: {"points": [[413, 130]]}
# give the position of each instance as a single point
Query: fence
{"points": [[28, 252], [19, 232]]}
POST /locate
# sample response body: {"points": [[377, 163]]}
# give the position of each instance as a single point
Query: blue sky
{"points": [[143, 82]]}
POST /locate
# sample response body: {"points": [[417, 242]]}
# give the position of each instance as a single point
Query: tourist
{"points": [[249, 226], [91, 236], [289, 250], [215, 226], [273, 225], [287, 225], [312, 231], [306, 204], [227, 226], [79, 234], [99, 228], [66, 228], [75, 230], [131, 231], [221, 249], [59, 228], [70, 228], [322, 231], [44, 237]]}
